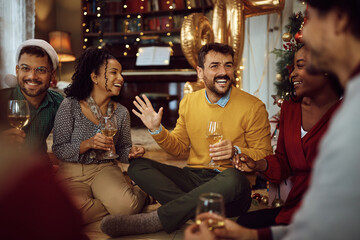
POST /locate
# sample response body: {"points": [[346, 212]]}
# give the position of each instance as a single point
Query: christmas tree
{"points": [[285, 56]]}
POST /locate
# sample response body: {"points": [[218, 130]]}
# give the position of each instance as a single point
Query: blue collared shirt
{"points": [[222, 101]]}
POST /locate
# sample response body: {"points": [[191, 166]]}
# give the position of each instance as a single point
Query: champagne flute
{"points": [[208, 204], [18, 113], [108, 127], [214, 135]]}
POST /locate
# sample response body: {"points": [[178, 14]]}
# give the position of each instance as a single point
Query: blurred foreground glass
{"points": [[211, 203]]}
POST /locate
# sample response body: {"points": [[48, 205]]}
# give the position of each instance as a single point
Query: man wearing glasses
{"points": [[36, 68]]}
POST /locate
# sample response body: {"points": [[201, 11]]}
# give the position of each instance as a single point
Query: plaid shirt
{"points": [[41, 119]]}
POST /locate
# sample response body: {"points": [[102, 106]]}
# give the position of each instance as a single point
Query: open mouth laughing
{"points": [[222, 80]]}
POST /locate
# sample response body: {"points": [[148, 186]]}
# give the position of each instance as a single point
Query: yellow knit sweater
{"points": [[245, 123]]}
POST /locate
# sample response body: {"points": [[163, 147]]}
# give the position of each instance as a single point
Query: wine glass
{"points": [[208, 204], [214, 134], [18, 113], [108, 127]]}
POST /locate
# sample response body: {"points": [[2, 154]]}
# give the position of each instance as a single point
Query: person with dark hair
{"points": [[97, 185], [245, 129], [328, 209], [36, 68], [303, 121]]}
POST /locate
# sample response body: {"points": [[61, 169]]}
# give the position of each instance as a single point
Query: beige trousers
{"points": [[100, 189]]}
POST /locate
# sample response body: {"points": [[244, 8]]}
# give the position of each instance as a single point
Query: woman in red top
{"points": [[302, 125]]}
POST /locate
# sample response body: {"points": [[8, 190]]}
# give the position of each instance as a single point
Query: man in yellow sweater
{"points": [[245, 129]]}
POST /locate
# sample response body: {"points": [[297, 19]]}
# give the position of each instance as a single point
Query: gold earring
{"points": [[96, 83]]}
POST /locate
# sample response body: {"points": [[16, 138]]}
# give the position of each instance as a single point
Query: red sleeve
{"points": [[264, 234], [278, 164]]}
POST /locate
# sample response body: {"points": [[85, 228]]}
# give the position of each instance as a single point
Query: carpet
{"points": [[142, 137]]}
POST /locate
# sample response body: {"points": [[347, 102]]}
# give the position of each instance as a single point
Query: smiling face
{"points": [[305, 84], [109, 80], [32, 83], [218, 74]]}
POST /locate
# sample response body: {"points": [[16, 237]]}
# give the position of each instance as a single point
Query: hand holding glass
{"points": [[214, 135], [18, 113], [211, 203], [108, 128]]}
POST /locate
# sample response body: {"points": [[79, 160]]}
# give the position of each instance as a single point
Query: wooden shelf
{"points": [[120, 34], [151, 13]]}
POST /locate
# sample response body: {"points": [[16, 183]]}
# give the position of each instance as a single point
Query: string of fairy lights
{"points": [[94, 8]]}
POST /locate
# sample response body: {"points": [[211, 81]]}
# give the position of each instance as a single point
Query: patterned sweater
{"points": [[71, 127]]}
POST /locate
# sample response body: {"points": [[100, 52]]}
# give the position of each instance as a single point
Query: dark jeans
{"points": [[178, 189], [259, 219]]}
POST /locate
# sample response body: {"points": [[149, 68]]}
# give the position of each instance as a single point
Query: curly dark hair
{"points": [[89, 61], [36, 51], [350, 7], [217, 47]]}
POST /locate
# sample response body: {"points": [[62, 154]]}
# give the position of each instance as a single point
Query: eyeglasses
{"points": [[38, 71]]}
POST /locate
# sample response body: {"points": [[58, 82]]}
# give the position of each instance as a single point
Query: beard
{"points": [[43, 87], [210, 84]]}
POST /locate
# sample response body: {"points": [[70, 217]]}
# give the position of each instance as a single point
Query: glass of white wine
{"points": [[108, 127], [18, 113], [214, 134], [208, 205]]}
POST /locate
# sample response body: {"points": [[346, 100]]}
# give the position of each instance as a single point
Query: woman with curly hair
{"points": [[98, 185]]}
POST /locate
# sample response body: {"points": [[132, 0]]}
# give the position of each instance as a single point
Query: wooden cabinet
{"points": [[123, 26]]}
